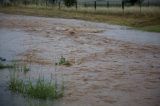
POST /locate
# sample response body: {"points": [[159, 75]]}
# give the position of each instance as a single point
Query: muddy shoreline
{"points": [[104, 71]]}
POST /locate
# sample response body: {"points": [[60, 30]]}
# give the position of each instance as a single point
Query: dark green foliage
{"points": [[16, 85], [41, 90], [63, 61], [3, 66], [69, 3], [26, 69]]}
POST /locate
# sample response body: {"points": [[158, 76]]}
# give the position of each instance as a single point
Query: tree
{"points": [[70, 3]]}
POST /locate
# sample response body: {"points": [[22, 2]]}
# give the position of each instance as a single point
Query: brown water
{"points": [[111, 65]]}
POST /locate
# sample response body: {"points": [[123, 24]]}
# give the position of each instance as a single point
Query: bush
{"points": [[69, 3]]}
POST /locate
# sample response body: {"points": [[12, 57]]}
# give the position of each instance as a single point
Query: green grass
{"points": [[17, 85], [63, 61], [3, 66], [21, 67], [154, 28], [132, 16], [41, 89], [25, 69]]}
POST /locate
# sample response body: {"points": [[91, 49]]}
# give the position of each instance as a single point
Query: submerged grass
{"points": [[63, 61], [25, 69], [149, 16], [3, 66], [19, 67], [16, 85]]}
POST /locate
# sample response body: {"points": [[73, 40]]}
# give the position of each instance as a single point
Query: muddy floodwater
{"points": [[111, 65]]}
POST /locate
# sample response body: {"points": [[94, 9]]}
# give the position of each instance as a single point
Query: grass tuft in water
{"points": [[26, 69], [40, 89], [63, 61], [43, 90], [16, 85], [21, 67]]}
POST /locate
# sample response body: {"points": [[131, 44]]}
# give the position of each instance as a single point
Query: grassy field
{"points": [[147, 19]]}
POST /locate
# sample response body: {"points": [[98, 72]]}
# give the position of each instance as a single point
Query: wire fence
{"points": [[92, 4], [85, 3]]}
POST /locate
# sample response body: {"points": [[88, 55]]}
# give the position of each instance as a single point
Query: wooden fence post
{"points": [[36, 3], [52, 3], [59, 5], [123, 4], [95, 5], [140, 5], [46, 3], [76, 5], [107, 4]]}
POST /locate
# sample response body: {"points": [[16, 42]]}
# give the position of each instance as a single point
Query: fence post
{"points": [[148, 3], [85, 5], [140, 5], [59, 5], [36, 3], [107, 4], [46, 3], [25, 3], [52, 3], [123, 6], [76, 5], [14, 2], [95, 5]]}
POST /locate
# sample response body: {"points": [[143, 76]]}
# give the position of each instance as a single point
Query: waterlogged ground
{"points": [[111, 65]]}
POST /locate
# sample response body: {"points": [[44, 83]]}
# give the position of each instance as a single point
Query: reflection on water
{"points": [[11, 44], [7, 98]]}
